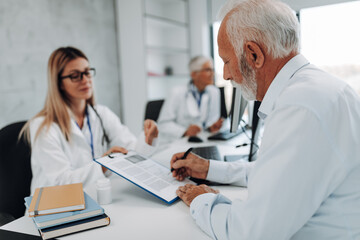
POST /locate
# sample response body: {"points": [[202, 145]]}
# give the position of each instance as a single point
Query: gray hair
{"points": [[267, 22], [197, 62]]}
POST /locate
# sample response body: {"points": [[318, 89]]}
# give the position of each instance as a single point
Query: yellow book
{"points": [[56, 199]]}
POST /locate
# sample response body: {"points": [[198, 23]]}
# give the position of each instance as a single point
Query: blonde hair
{"points": [[56, 109]]}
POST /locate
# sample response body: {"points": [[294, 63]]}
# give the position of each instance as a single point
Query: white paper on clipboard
{"points": [[145, 173]]}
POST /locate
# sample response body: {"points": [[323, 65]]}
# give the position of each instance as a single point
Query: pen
{"points": [[185, 156], [241, 145]]}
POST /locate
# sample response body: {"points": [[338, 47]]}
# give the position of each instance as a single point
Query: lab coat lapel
{"points": [[204, 106], [77, 134], [76, 131], [92, 115], [192, 105]]}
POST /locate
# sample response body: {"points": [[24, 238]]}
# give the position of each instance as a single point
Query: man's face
{"points": [[203, 77], [241, 73]]}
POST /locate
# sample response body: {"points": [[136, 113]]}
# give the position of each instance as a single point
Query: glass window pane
{"points": [[219, 67], [330, 39]]}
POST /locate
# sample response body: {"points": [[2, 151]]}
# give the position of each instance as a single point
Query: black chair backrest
{"points": [[15, 170], [153, 108], [223, 111]]}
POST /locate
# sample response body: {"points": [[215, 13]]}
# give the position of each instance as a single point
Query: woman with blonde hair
{"points": [[71, 130]]}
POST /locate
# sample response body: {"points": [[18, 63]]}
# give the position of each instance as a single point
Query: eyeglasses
{"points": [[208, 70], [78, 76]]}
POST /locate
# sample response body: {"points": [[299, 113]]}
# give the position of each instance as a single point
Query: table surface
{"points": [[136, 214]]}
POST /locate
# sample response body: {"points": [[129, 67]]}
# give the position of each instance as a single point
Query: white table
{"points": [[136, 214]]}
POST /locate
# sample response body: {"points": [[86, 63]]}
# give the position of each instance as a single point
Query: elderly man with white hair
{"points": [[305, 183], [192, 108]]}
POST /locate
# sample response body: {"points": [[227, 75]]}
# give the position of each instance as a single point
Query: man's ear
{"points": [[254, 54]]}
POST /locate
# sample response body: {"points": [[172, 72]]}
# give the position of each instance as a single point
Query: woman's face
{"points": [[77, 80]]}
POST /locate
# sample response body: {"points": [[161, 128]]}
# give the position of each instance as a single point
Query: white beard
{"points": [[249, 85], [248, 88]]}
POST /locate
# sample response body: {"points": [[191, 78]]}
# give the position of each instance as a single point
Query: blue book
{"points": [[75, 227], [91, 209]]}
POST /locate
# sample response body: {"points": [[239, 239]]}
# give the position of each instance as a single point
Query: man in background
{"points": [[195, 107], [305, 181]]}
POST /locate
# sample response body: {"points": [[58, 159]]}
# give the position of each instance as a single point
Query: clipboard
{"points": [[145, 173]]}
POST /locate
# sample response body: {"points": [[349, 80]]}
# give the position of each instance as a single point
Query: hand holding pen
{"points": [[188, 164], [184, 156]]}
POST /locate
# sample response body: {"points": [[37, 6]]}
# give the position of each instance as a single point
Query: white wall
{"points": [[199, 28], [31, 29], [132, 62], [131, 38], [110, 32]]}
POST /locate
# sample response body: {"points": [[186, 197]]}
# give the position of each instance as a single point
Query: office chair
{"points": [[153, 108], [15, 172]]}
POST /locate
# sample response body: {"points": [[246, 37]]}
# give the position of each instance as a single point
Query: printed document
{"points": [[145, 173]]}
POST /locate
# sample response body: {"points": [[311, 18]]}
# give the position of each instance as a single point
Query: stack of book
{"points": [[65, 209]]}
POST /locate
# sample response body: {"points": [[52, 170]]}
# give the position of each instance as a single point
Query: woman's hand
{"points": [[114, 150], [151, 131]]}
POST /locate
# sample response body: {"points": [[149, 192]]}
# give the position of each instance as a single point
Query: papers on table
{"points": [[145, 173]]}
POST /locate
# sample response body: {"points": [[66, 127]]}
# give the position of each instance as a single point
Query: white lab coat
{"points": [[305, 183], [56, 161], [180, 110]]}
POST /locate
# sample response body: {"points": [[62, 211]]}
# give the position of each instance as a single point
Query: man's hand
{"points": [[151, 131], [216, 126], [192, 130], [113, 150], [189, 192], [192, 165]]}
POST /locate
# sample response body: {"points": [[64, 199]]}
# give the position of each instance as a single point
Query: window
{"points": [[219, 67], [330, 39]]}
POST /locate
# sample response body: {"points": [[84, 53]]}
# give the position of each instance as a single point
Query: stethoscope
{"points": [[104, 137], [192, 91]]}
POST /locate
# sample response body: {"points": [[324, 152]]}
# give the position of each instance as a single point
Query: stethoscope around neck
{"points": [[192, 90], [105, 137]]}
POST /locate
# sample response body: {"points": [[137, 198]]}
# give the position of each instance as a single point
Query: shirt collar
{"points": [[195, 90], [90, 114], [279, 83]]}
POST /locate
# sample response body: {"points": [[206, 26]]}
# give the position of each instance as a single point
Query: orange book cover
{"points": [[55, 199]]}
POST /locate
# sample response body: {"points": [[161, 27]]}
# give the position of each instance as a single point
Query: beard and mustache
{"points": [[249, 85]]}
